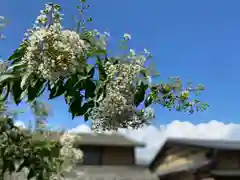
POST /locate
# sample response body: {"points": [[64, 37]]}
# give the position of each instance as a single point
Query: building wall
{"points": [[183, 176], [112, 173], [108, 155], [228, 160], [177, 160], [226, 178], [118, 156], [179, 176]]}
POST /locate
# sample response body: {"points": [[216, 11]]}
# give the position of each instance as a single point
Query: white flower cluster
{"points": [[70, 154], [51, 51], [117, 110], [100, 40], [2, 25], [3, 66], [185, 94]]}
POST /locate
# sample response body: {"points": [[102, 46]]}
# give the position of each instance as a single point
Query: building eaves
{"points": [[96, 139], [113, 139], [199, 143]]}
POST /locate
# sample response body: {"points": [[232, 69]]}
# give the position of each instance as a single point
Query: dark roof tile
{"points": [[107, 139], [96, 139], [212, 144]]}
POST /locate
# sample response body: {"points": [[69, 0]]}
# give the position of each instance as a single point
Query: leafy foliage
{"points": [[84, 89], [57, 60], [23, 149]]}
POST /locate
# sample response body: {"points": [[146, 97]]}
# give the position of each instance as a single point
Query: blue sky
{"points": [[196, 40]]}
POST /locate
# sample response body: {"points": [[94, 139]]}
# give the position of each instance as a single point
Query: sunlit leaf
{"points": [[140, 94]]}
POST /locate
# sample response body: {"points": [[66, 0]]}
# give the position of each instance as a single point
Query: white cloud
{"points": [[81, 128], [155, 136], [20, 124]]}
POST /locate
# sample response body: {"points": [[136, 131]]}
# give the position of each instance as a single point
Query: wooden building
{"points": [[109, 157], [112, 157], [106, 157], [192, 159]]}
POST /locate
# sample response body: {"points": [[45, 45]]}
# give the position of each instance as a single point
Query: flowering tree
{"points": [[113, 92], [27, 154], [109, 91], [34, 154]]}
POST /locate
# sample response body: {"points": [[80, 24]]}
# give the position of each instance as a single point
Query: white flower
{"points": [[53, 52], [107, 34], [3, 66], [48, 8], [127, 36], [132, 52], [185, 94], [78, 154], [67, 139], [117, 109], [148, 113], [68, 152], [42, 18], [146, 52]]}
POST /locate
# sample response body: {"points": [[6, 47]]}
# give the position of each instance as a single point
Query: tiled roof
{"points": [[200, 143], [213, 144], [107, 139], [113, 139]]}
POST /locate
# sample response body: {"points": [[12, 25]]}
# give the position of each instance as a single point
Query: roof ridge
{"points": [[202, 139]]}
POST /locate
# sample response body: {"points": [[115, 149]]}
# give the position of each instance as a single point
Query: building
{"points": [[109, 157], [192, 159], [112, 157], [106, 157]]}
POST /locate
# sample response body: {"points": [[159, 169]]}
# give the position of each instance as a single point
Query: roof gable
{"points": [[198, 143]]}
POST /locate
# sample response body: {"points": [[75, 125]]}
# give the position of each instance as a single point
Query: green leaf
{"points": [[101, 93], [140, 94], [79, 84], [25, 80], [90, 88], [31, 173], [25, 163], [4, 90], [86, 107], [150, 99], [24, 94], [102, 73], [86, 116], [16, 91], [7, 77], [16, 65], [75, 106], [72, 82], [18, 53], [96, 51], [57, 90], [86, 34], [90, 70], [144, 72], [36, 90], [89, 19]]}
